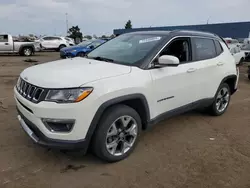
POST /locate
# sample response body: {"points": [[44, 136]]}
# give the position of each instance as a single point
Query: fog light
{"points": [[59, 125]]}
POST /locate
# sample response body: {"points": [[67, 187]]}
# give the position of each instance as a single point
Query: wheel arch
{"points": [[26, 46], [231, 81], [136, 101]]}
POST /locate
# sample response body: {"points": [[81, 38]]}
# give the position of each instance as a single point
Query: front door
{"points": [[175, 87], [46, 42]]}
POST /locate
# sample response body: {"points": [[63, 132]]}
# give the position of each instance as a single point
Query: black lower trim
{"points": [[54, 143], [234, 77], [192, 106]]}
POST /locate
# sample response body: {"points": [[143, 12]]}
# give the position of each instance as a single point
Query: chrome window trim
{"points": [[180, 36]]}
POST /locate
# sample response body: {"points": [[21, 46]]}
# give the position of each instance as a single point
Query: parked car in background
{"points": [[9, 46], [70, 40], [246, 41], [238, 54], [80, 49], [231, 41], [246, 49], [122, 87], [53, 43]]}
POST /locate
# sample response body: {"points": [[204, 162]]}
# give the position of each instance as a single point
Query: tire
{"points": [[60, 47], [27, 51], [248, 77], [80, 54], [241, 61], [110, 130], [220, 104]]}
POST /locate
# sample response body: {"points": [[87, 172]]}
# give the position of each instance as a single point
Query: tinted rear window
{"points": [[205, 48]]}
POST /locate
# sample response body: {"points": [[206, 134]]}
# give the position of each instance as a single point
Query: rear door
{"points": [[5, 44], [211, 61], [55, 42]]}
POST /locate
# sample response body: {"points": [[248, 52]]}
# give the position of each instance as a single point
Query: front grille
{"points": [[32, 93]]}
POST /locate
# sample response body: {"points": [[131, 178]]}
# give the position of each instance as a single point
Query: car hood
{"points": [[71, 72]]}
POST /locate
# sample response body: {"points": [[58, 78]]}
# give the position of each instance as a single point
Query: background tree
{"points": [[75, 33], [94, 36], [128, 25]]}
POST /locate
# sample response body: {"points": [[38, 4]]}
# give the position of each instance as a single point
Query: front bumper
{"points": [[32, 114], [65, 55], [38, 49], [39, 138]]}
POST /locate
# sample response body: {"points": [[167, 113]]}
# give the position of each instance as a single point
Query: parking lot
{"points": [[192, 150]]}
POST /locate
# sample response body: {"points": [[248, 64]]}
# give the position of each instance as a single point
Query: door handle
{"points": [[220, 64], [191, 70], [6, 43]]}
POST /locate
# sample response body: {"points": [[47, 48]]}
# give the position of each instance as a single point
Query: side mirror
{"points": [[91, 47], [168, 60]]}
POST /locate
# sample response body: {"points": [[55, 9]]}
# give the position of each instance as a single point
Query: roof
{"points": [[151, 32], [178, 33]]}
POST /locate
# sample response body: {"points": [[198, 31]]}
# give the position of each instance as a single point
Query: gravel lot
{"points": [[193, 150]]}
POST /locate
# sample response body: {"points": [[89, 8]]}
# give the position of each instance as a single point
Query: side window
{"points": [[3, 38], [46, 38], [57, 38], [204, 48], [53, 38], [180, 48], [218, 46]]}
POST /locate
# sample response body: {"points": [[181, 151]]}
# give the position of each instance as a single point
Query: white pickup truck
{"points": [[9, 46]]}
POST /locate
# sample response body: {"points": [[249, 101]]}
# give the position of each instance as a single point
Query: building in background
{"points": [[238, 30]]}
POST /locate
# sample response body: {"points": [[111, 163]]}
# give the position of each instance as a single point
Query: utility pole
{"points": [[208, 20], [67, 24]]}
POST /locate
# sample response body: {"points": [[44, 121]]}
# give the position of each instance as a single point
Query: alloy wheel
{"points": [[27, 52], [222, 99], [121, 135]]}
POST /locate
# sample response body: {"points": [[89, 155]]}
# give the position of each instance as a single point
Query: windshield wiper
{"points": [[102, 59]]}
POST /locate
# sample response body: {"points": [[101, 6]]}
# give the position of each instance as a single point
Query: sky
{"points": [[100, 17]]}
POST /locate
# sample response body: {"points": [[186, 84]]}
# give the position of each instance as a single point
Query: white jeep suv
{"points": [[104, 100]]}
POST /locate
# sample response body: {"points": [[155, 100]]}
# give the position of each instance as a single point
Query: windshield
{"points": [[85, 43], [96, 43], [126, 49]]}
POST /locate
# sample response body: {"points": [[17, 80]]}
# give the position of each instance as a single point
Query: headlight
{"points": [[68, 95], [18, 83]]}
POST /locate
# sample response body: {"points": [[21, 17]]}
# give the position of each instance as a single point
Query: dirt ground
{"points": [[193, 150]]}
